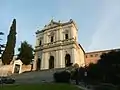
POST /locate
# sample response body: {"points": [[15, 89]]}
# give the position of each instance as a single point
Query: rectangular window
{"points": [[66, 36], [91, 55], [96, 55], [51, 38], [40, 42]]}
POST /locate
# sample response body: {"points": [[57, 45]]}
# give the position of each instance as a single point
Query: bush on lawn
{"points": [[62, 77]]}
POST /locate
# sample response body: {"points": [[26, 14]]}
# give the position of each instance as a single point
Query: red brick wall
{"points": [[93, 57]]}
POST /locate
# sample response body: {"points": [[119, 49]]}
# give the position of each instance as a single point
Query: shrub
{"points": [[62, 77]]}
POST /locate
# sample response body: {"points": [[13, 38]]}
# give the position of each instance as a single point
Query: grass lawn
{"points": [[40, 87]]}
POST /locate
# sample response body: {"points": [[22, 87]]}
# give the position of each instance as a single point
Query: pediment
{"points": [[51, 24]]}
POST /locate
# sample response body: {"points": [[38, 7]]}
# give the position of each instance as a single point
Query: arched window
{"points": [[68, 60]]}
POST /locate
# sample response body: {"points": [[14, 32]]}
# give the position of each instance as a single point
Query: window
{"points": [[66, 36], [91, 55], [40, 42], [51, 38], [96, 55]]}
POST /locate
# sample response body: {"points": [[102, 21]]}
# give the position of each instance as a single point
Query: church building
{"points": [[57, 46]]}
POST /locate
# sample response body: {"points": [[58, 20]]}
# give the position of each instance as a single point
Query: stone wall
{"points": [[93, 57], [6, 70], [26, 68]]}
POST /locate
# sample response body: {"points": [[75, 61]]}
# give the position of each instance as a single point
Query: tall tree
{"points": [[1, 33], [25, 53], [1, 45], [8, 53]]}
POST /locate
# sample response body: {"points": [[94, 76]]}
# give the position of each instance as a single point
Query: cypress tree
{"points": [[8, 53]]}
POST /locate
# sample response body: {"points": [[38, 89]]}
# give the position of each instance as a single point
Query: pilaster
{"points": [[35, 61], [73, 58], [42, 62], [46, 61], [56, 61], [62, 58]]}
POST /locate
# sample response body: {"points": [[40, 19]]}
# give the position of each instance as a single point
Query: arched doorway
{"points": [[51, 62], [67, 60], [17, 68], [38, 64]]}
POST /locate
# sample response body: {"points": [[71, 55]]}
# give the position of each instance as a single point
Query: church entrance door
{"points": [[38, 64], [67, 60], [51, 62]]}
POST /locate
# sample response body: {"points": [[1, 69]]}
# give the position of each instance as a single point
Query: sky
{"points": [[98, 21]]}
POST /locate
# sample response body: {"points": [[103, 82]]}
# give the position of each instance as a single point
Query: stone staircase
{"points": [[36, 76]]}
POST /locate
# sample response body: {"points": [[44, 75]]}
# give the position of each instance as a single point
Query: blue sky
{"points": [[98, 21]]}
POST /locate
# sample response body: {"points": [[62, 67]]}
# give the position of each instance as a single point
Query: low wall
{"points": [[26, 68], [6, 70]]}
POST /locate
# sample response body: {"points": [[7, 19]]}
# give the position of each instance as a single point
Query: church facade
{"points": [[57, 46]]}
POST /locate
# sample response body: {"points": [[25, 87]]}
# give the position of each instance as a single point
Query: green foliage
{"points": [[1, 45], [62, 77], [107, 69], [25, 53], [8, 53], [1, 33]]}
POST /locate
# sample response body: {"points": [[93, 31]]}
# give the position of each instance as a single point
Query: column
{"points": [[35, 61], [73, 58], [56, 35], [72, 32], [20, 71], [62, 58], [47, 38], [56, 61], [46, 61], [13, 68], [61, 34], [44, 41], [42, 62]]}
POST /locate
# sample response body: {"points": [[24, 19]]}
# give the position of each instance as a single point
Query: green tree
{"points": [[25, 53], [1, 33], [8, 53], [110, 66], [1, 45], [107, 69]]}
